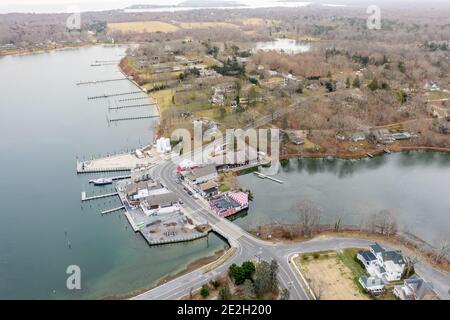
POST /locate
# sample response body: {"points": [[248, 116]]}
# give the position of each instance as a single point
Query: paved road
{"points": [[251, 248]]}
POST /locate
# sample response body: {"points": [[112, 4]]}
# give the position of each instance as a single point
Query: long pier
{"points": [[132, 106], [112, 210], [82, 169], [114, 95], [100, 81], [131, 118], [132, 99], [84, 196], [263, 176]]}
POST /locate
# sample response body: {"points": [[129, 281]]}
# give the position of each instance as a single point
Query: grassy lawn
{"points": [[164, 98]]}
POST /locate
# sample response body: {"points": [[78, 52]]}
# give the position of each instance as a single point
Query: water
{"points": [[284, 45], [414, 186], [46, 121]]}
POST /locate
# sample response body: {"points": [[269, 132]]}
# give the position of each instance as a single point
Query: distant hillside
{"points": [[189, 4]]}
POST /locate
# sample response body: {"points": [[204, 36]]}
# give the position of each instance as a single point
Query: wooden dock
{"points": [[84, 197], [263, 176], [132, 106], [100, 81], [104, 96], [131, 118], [112, 210], [81, 169], [133, 99]]}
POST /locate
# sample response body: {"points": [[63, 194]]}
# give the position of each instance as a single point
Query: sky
{"points": [[40, 6]]}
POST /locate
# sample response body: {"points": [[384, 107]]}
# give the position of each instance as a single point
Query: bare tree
{"points": [[388, 222], [309, 217], [442, 252]]}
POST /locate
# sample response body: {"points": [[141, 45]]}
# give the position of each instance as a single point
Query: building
{"points": [[208, 189], [380, 263], [201, 174], [382, 136], [160, 203], [431, 85], [229, 204], [373, 285], [415, 288], [401, 136], [163, 145], [358, 136]]}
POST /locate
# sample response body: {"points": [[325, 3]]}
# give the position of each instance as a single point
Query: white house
{"points": [[383, 264], [372, 284]]}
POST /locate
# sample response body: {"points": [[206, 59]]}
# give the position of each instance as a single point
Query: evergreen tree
{"points": [[373, 85], [204, 291]]}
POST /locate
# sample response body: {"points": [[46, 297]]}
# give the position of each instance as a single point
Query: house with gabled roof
{"points": [[387, 265], [415, 288]]}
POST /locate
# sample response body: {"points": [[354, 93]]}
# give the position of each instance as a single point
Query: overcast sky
{"points": [[87, 5]]}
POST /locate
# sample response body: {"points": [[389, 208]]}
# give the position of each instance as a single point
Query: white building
{"points": [[385, 265], [372, 284], [163, 145]]}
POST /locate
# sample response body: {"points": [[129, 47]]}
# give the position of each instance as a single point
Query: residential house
{"points": [[373, 285], [415, 288], [382, 136], [358, 136], [383, 264], [431, 85]]}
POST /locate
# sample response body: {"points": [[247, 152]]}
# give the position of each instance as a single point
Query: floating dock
{"points": [[84, 197], [263, 176]]}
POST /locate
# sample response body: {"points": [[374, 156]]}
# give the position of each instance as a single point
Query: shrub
{"points": [[204, 291]]}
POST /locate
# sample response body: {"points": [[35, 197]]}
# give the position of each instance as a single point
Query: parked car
{"points": [[190, 192]]}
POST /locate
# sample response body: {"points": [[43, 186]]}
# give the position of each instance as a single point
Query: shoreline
{"points": [[189, 267], [408, 243]]}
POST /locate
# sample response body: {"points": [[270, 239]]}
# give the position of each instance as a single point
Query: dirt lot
{"points": [[330, 279]]}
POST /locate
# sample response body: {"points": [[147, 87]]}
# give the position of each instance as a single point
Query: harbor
{"points": [[114, 259]]}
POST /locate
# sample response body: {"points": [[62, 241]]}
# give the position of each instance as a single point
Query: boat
{"points": [[101, 181]]}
